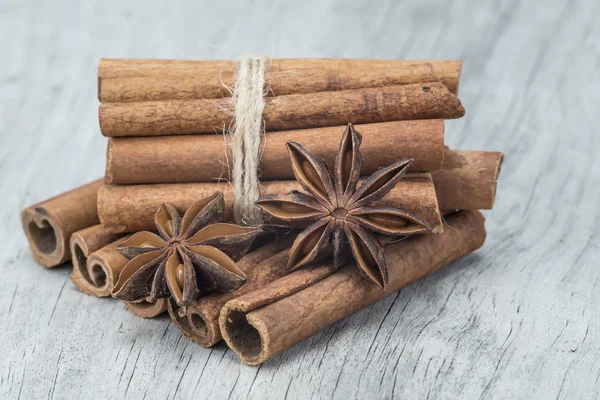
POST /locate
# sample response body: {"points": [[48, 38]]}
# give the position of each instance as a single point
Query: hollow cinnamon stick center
{"points": [[98, 275], [43, 234], [198, 324], [242, 335], [93, 273], [80, 260]]}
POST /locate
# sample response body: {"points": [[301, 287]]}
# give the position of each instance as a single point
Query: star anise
{"points": [[191, 256], [338, 213]]}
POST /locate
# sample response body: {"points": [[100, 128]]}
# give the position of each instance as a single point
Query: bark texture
{"points": [[201, 324], [147, 310], [205, 158], [265, 322], [132, 208], [429, 100], [121, 80], [96, 262], [468, 179], [49, 225]]}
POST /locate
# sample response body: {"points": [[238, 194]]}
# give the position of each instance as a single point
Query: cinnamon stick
{"points": [[145, 309], [267, 321], [49, 225], [211, 85], [204, 158], [468, 179], [297, 111], [261, 267], [207, 79], [132, 208], [201, 323], [94, 278]]}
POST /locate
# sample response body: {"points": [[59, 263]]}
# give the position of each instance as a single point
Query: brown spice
{"points": [[121, 80], [145, 309], [267, 321], [297, 111], [338, 211], [191, 256], [201, 324], [50, 224], [175, 159], [93, 272], [207, 84], [468, 179], [132, 208]]}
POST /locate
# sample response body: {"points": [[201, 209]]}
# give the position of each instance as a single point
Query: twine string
{"points": [[246, 132]]}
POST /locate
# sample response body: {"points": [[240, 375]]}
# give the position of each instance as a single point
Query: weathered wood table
{"points": [[520, 318]]}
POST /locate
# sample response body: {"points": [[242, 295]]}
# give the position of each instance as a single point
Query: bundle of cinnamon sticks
{"points": [[165, 120]]}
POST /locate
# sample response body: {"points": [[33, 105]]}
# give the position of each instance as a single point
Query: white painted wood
{"points": [[518, 319]]}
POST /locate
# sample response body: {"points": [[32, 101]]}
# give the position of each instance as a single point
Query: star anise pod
{"points": [[338, 211], [191, 256]]}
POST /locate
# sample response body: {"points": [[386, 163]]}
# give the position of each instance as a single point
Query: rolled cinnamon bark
{"points": [[468, 179], [147, 310], [211, 85], [204, 158], [201, 323], [207, 79], [50, 224], [297, 111], [94, 276], [267, 321], [132, 208]]}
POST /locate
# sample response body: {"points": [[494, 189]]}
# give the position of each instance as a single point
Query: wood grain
{"points": [[518, 319]]}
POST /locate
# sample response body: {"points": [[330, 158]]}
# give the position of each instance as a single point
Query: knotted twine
{"points": [[245, 138]]}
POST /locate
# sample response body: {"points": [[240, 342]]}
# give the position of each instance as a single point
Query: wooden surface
{"points": [[518, 319]]}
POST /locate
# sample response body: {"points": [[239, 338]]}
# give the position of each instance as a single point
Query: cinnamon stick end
{"points": [[496, 176], [83, 284], [458, 74], [468, 179], [46, 240], [147, 310], [99, 285], [106, 120], [80, 276], [109, 218], [242, 336], [195, 326]]}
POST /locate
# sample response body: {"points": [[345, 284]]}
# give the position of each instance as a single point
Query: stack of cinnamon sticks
{"points": [[165, 121]]}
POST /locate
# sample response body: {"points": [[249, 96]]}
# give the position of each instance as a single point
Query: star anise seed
{"points": [[191, 256], [336, 211]]}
